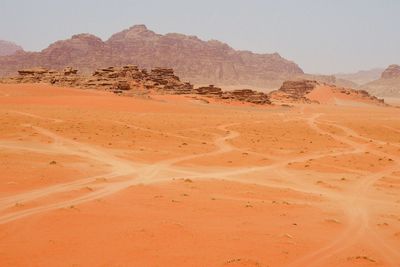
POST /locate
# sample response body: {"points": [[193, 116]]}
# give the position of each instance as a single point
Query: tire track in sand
{"points": [[357, 209], [122, 168]]}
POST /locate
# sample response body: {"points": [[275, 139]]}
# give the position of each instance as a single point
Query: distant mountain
{"points": [[361, 77], [388, 85], [8, 48], [392, 72], [200, 62]]}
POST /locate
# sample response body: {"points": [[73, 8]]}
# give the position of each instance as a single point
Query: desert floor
{"points": [[88, 178]]}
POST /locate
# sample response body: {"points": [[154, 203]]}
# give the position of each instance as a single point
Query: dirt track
{"points": [[318, 185]]}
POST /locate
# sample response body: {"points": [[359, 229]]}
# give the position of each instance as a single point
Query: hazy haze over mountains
{"points": [[202, 62], [387, 85], [362, 77], [8, 48], [310, 33]]}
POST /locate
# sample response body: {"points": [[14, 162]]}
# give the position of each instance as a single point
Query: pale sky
{"points": [[321, 36]]}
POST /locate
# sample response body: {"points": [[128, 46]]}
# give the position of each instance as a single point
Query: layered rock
{"points": [[311, 91], [241, 95], [294, 91], [388, 85], [111, 78], [298, 88], [130, 79], [392, 72], [201, 62], [247, 95], [210, 90], [67, 77]]}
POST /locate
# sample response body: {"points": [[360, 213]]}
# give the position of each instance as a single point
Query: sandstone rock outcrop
{"points": [[311, 91], [298, 88], [131, 79], [392, 72], [247, 95], [294, 91], [242, 95], [210, 90], [388, 85], [67, 77], [126, 77], [201, 62]]}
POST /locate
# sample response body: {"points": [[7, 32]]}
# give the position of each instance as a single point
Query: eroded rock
{"points": [[121, 80]]}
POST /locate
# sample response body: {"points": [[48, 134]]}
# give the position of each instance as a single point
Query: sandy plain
{"points": [[93, 179]]}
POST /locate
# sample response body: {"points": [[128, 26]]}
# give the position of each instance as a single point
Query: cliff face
{"points": [[388, 85], [198, 61]]}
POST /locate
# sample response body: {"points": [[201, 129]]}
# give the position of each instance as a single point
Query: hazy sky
{"points": [[322, 36]]}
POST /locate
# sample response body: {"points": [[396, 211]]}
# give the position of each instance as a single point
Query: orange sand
{"points": [[93, 179]]}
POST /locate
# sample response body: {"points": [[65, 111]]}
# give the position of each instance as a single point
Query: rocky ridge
{"points": [[301, 91], [201, 62], [130, 80]]}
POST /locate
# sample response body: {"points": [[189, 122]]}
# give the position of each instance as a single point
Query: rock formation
{"points": [[298, 88], [311, 91], [388, 85], [247, 95], [210, 90], [392, 72], [242, 95], [201, 62], [9, 48], [130, 80], [67, 77], [294, 91]]}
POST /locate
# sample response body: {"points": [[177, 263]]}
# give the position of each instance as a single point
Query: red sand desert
{"points": [[89, 178]]}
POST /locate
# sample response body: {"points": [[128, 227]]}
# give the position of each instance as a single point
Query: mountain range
{"points": [[361, 77], [195, 60], [200, 62], [8, 48]]}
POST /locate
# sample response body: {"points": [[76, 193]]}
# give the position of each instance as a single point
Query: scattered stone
{"points": [[361, 258]]}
